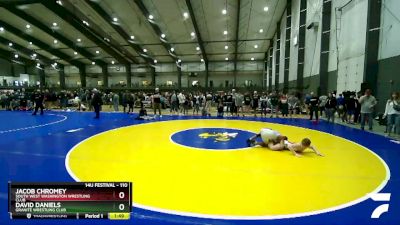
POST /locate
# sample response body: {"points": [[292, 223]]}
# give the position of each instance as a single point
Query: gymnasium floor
{"points": [[184, 171]]}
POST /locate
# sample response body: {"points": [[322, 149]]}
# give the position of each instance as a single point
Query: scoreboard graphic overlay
{"points": [[81, 200]]}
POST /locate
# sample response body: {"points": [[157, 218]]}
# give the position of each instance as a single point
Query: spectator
{"points": [[247, 102], [284, 106], [368, 103], [264, 104], [392, 113], [255, 100], [340, 106], [330, 108], [357, 109], [239, 103], [131, 102], [156, 102], [313, 106], [38, 98], [181, 100], [115, 100], [174, 103], [322, 103], [274, 102], [294, 104], [350, 106], [97, 102]]}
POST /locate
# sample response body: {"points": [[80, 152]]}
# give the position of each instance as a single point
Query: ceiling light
{"points": [[266, 8], [201, 60], [162, 35], [55, 41], [16, 56], [93, 63], [59, 2], [192, 34], [151, 17], [252, 59], [225, 32], [132, 37], [255, 46], [10, 44], [185, 14], [226, 59], [86, 23], [30, 43], [115, 19], [78, 40], [144, 50], [38, 64], [179, 60], [34, 55], [226, 47], [97, 52], [112, 62], [261, 30], [55, 64], [75, 53], [155, 61], [224, 11], [28, 26], [198, 48], [172, 49], [54, 24], [1, 29]]}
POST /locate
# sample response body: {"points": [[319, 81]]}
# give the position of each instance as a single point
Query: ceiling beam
{"points": [[105, 37], [39, 43], [88, 32], [102, 13], [182, 43], [156, 29], [9, 56], [19, 48], [196, 30], [4, 3], [55, 34], [215, 53], [237, 34]]}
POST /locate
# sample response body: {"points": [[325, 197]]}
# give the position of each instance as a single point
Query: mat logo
{"points": [[380, 197], [218, 137]]}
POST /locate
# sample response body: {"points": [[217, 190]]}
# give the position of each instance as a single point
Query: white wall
{"points": [[351, 34], [294, 54], [313, 38], [389, 44], [283, 47], [274, 60]]}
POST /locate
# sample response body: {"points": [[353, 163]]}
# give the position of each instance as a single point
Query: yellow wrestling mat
{"points": [[228, 180]]}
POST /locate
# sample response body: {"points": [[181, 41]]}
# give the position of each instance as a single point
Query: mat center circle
{"points": [[169, 176], [212, 138]]}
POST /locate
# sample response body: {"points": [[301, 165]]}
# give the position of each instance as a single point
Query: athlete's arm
{"points": [[292, 148], [315, 150]]}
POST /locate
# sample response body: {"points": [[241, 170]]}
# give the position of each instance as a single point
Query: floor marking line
{"points": [[74, 130], [227, 217], [37, 126]]}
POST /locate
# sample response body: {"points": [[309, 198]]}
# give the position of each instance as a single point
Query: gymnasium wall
{"points": [[294, 48], [389, 51], [347, 47], [11, 72], [348, 32], [350, 28]]}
